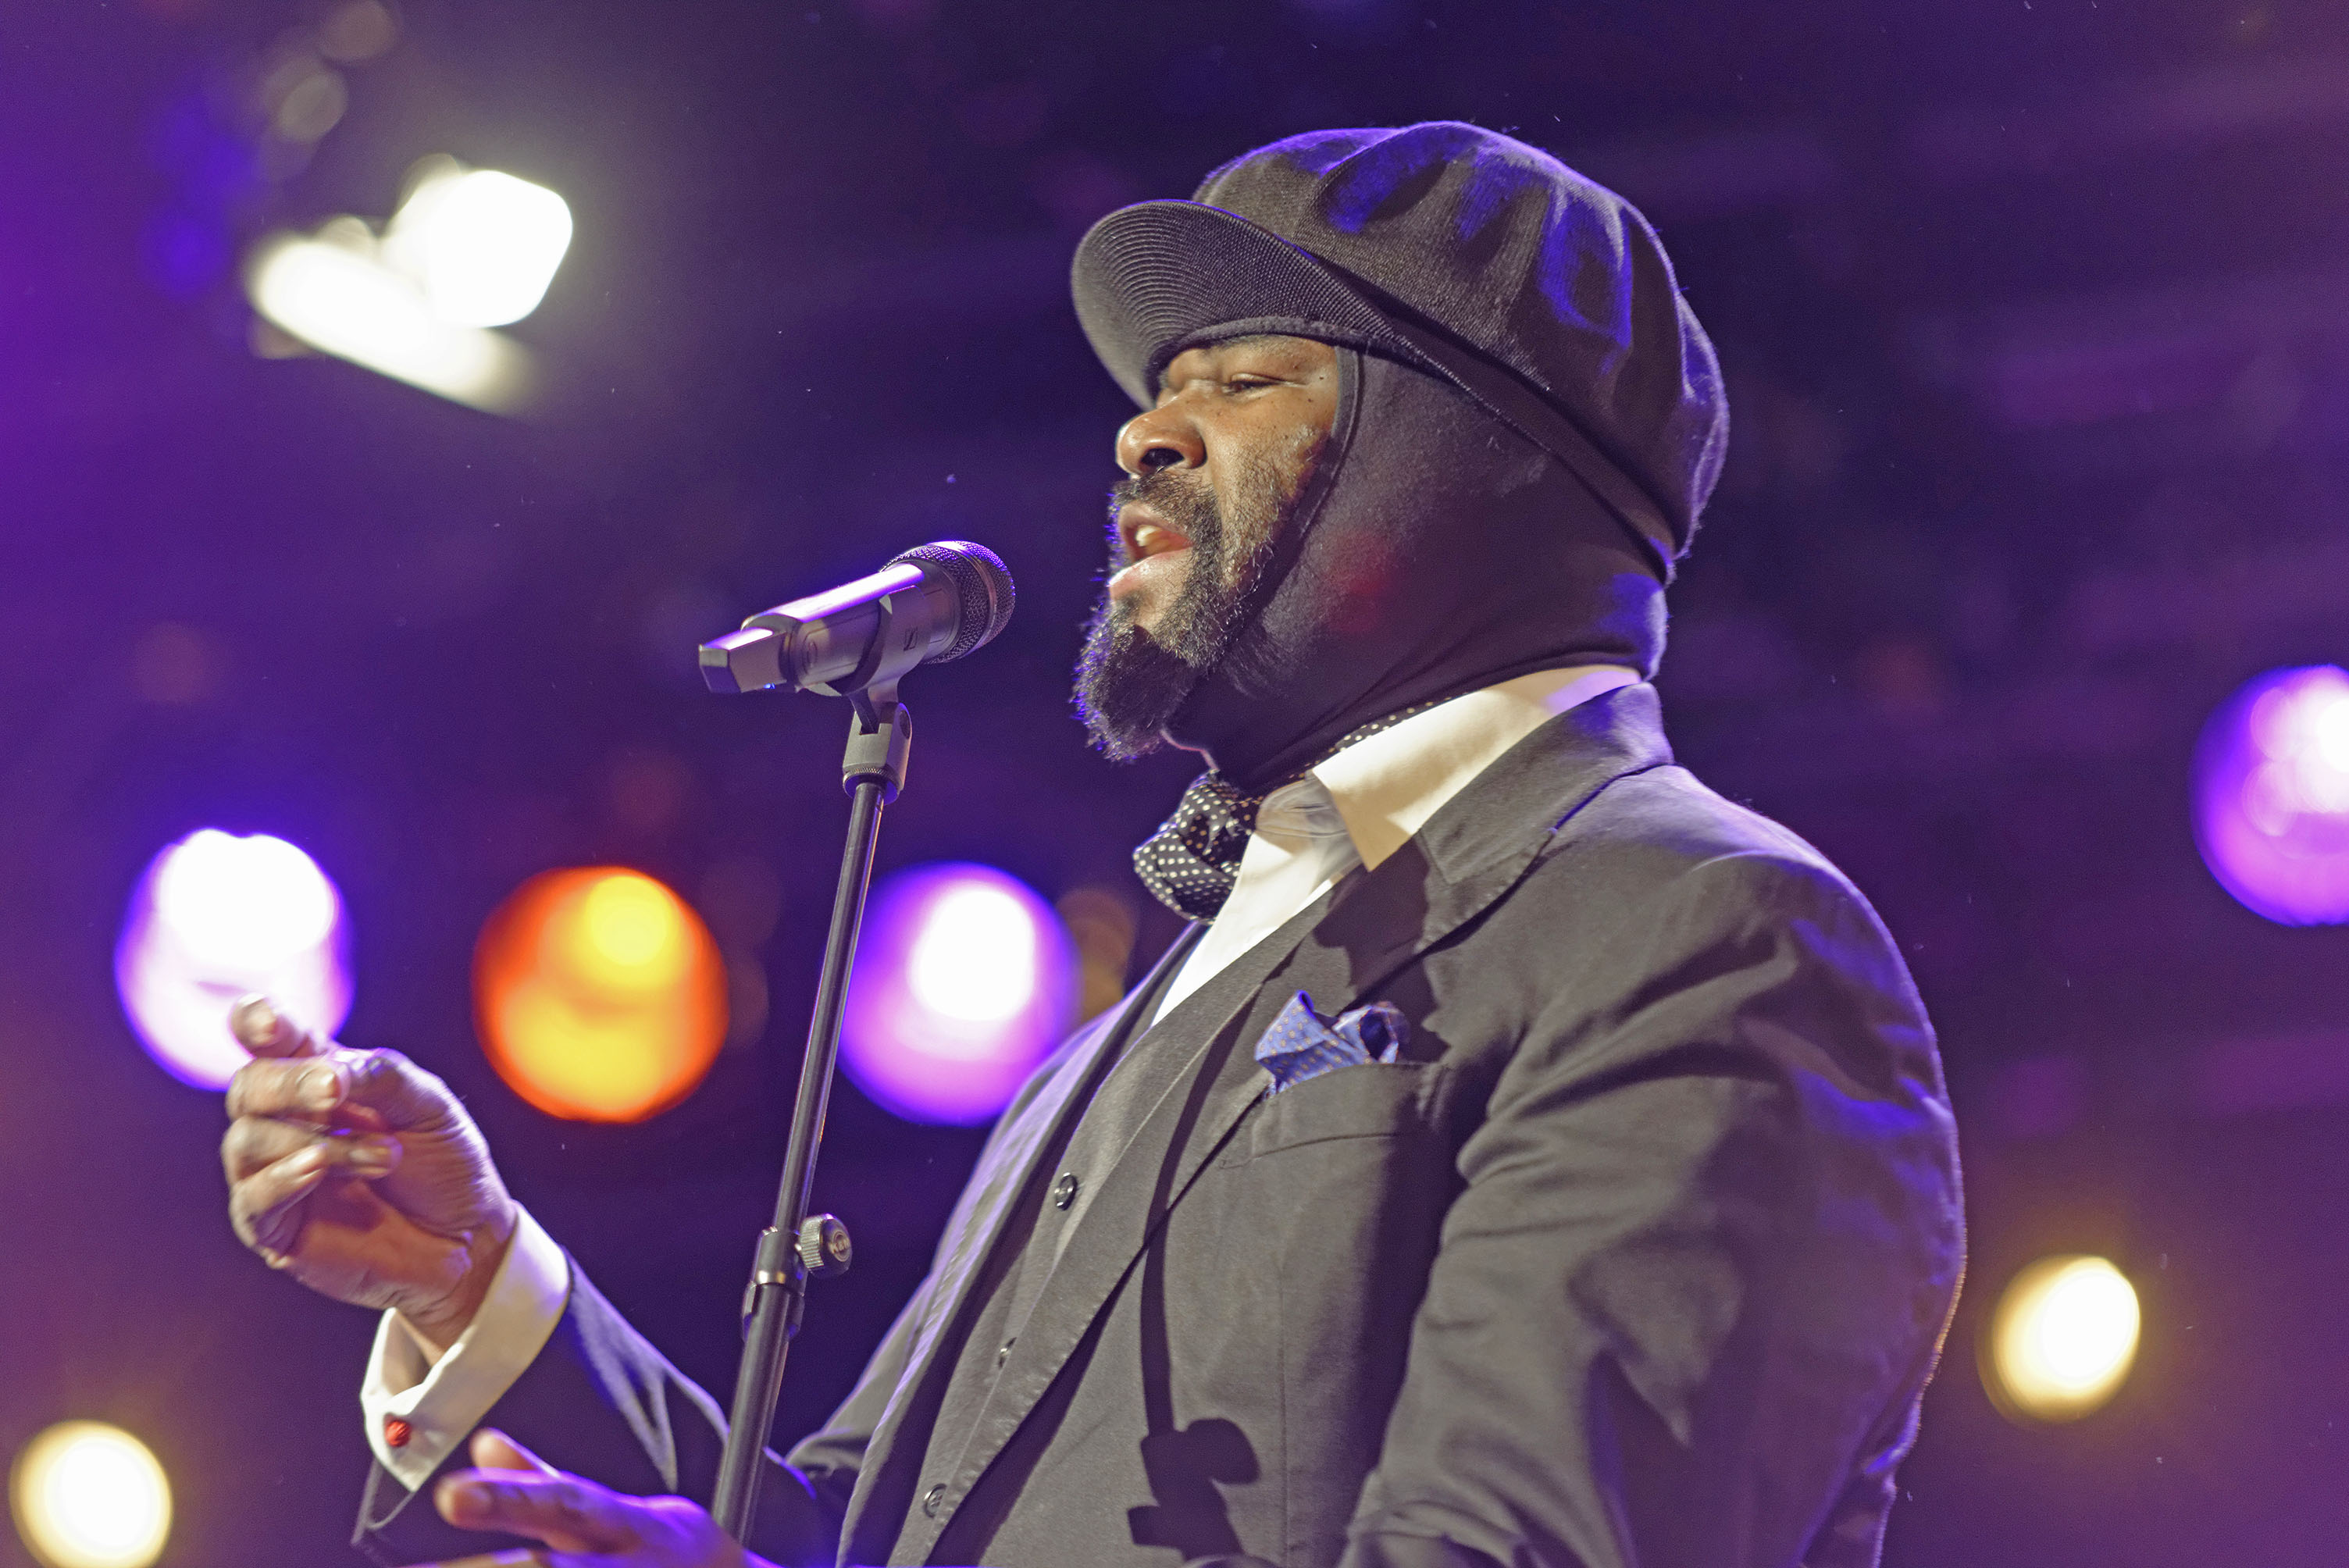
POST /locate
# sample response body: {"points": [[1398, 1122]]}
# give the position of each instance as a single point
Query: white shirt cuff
{"points": [[437, 1404]]}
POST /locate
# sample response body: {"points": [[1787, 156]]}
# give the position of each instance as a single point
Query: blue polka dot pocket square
{"points": [[1301, 1045]]}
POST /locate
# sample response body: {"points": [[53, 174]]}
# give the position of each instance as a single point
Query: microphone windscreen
{"points": [[983, 586]]}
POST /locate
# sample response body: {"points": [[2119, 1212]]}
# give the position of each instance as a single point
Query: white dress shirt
{"points": [[1365, 803], [1355, 809]]}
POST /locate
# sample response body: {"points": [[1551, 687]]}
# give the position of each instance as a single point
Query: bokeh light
{"points": [[215, 916], [2272, 795], [484, 246], [333, 294], [599, 994], [470, 249], [2062, 1338], [965, 981], [87, 1495]]}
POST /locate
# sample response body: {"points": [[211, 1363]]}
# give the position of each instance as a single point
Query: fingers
{"points": [[493, 1449], [308, 1087], [262, 1028], [272, 1166], [255, 1142], [382, 1088], [261, 1206], [564, 1512]]}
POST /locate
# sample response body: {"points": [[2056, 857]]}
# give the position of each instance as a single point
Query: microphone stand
{"points": [[799, 1245]]}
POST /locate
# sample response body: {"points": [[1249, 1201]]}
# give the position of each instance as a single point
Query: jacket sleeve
{"points": [[600, 1401], [1704, 1254]]}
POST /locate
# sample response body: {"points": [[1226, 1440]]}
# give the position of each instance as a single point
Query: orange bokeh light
{"points": [[598, 995]]}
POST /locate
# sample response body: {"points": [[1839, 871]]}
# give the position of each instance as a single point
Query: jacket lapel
{"points": [[1477, 848], [1471, 852]]}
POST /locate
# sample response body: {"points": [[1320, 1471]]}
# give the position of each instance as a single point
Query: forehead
{"points": [[1266, 350]]}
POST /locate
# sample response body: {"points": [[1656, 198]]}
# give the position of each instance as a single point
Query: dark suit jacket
{"points": [[1642, 1254]]}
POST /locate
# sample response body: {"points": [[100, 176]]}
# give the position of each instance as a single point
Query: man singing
{"points": [[1525, 1158]]}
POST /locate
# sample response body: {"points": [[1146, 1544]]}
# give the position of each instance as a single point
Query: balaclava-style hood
{"points": [[1530, 418]]}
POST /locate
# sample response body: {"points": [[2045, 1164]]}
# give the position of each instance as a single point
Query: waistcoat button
{"points": [[1064, 1191], [931, 1498]]}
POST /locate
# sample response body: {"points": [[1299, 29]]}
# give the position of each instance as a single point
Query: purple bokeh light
{"points": [[2272, 795], [965, 981], [215, 916]]}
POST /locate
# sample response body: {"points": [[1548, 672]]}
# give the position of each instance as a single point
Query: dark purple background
{"points": [[2036, 317]]}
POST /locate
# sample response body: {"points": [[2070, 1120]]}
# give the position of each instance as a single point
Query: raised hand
{"points": [[579, 1523], [358, 1174]]}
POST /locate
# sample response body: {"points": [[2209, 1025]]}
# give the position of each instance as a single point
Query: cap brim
{"points": [[1155, 278]]}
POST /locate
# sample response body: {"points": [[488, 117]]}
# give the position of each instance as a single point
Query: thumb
{"points": [[566, 1512], [265, 1029], [493, 1449]]}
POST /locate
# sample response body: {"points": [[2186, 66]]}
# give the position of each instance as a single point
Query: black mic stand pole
{"points": [[799, 1245]]}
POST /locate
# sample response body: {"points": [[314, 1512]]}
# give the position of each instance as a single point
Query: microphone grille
{"points": [[982, 582]]}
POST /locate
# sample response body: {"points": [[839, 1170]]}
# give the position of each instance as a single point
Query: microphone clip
{"points": [[880, 740]]}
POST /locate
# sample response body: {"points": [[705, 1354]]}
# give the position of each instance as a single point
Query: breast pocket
{"points": [[1407, 1100]]}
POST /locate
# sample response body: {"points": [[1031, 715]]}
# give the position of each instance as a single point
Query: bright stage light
{"points": [[484, 246], [2272, 795], [336, 297], [216, 916], [599, 994], [964, 981], [467, 250], [87, 1495], [2060, 1339]]}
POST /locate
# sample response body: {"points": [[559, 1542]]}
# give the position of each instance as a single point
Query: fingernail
{"points": [[254, 1021], [463, 1497], [321, 1088], [372, 1155]]}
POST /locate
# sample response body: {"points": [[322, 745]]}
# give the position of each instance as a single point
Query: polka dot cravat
{"points": [[1190, 863]]}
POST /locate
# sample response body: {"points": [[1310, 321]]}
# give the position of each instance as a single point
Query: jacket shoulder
{"points": [[1662, 823]]}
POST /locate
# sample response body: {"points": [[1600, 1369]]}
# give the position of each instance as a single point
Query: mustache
{"points": [[1188, 504]]}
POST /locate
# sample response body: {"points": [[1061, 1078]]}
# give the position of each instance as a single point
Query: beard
{"points": [[1130, 682]]}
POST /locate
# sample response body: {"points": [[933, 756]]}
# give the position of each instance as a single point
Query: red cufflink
{"points": [[395, 1432]]}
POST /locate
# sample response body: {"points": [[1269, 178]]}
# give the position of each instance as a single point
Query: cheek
{"points": [[1261, 474]]}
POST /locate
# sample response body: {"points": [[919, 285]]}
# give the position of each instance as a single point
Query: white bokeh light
{"points": [[2062, 1340], [253, 902], [87, 1495], [218, 915], [483, 245], [2303, 732], [335, 296], [974, 958], [469, 250]]}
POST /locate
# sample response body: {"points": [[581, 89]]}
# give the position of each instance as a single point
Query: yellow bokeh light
{"points": [[2061, 1340], [87, 1495], [599, 994]]}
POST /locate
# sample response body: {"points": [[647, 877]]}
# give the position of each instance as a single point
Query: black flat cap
{"points": [[1545, 297]]}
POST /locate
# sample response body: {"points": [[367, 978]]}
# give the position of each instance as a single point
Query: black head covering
{"points": [[1530, 417], [1443, 551]]}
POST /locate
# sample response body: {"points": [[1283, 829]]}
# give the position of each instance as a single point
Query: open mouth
{"points": [[1154, 551]]}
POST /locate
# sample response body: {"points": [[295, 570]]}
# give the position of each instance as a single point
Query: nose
{"points": [[1160, 438]]}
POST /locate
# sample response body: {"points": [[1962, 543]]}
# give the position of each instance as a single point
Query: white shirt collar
{"points": [[1386, 786], [1361, 806]]}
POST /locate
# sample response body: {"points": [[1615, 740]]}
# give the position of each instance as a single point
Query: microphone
{"points": [[932, 603]]}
